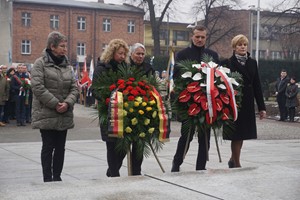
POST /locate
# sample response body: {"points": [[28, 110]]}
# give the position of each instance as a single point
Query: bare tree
{"points": [[217, 18], [150, 6], [289, 34]]}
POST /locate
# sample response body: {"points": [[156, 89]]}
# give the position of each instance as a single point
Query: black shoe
{"points": [[175, 168], [108, 174], [23, 124], [28, 121], [231, 164], [57, 179]]}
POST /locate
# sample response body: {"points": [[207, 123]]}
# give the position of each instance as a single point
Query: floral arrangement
{"points": [[25, 83], [132, 108], [207, 95]]}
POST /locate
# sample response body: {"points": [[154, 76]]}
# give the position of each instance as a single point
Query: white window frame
{"points": [[106, 25], [81, 49], [26, 47], [26, 19], [81, 23], [54, 22], [131, 26]]}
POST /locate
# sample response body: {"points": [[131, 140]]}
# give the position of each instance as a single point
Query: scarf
{"points": [[241, 59], [56, 60]]}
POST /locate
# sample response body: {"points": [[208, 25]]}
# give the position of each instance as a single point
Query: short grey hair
{"points": [[54, 38], [135, 46]]}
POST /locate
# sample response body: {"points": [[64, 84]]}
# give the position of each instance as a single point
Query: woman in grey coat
{"points": [[54, 95]]}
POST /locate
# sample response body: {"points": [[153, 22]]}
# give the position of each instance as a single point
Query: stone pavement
{"points": [[271, 169]]}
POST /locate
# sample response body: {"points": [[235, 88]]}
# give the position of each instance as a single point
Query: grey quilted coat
{"points": [[52, 84]]}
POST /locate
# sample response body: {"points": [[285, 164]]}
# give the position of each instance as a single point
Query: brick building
{"points": [[89, 27]]}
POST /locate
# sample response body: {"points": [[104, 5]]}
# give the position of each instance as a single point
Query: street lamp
{"points": [[252, 7], [257, 31]]}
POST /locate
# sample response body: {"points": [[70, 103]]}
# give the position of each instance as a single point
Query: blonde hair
{"points": [[112, 47], [239, 39]]}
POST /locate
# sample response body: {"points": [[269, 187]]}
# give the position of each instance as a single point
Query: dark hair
{"points": [[283, 70], [54, 38], [294, 78], [9, 70], [199, 28]]}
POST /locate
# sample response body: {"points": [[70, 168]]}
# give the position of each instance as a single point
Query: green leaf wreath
{"points": [[140, 122]]}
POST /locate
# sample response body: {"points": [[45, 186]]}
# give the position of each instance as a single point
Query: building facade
{"points": [[279, 34], [89, 27], [175, 36]]}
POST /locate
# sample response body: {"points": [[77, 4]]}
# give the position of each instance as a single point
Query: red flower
{"points": [[219, 104], [125, 92], [194, 109], [203, 101], [215, 93], [120, 81], [107, 100], [112, 87], [184, 96], [210, 120], [134, 92], [131, 98], [225, 98], [143, 92], [226, 114], [147, 87], [193, 87], [197, 96], [122, 86], [129, 83], [145, 99], [140, 83], [129, 88], [131, 79]]}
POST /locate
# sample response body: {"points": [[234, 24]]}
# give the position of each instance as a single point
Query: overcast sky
{"points": [[185, 16]]}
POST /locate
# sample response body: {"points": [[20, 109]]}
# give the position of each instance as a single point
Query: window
{"points": [[26, 19], [106, 25], [81, 49], [54, 21], [130, 26], [181, 35], [81, 23], [163, 34], [26, 47]]}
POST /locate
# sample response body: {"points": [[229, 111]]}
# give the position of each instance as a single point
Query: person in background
{"points": [[117, 52], [194, 52], [4, 94], [54, 95], [245, 125], [291, 98], [10, 105], [280, 87]]}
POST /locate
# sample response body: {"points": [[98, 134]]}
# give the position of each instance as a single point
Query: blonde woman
{"points": [[245, 126], [117, 52]]}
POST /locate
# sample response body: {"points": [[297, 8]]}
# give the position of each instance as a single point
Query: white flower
{"points": [[187, 75], [198, 66], [197, 77]]}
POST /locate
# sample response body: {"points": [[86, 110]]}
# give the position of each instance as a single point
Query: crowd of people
{"points": [[51, 90], [15, 95]]}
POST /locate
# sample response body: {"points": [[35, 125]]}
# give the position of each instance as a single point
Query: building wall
{"points": [[5, 32], [92, 36]]}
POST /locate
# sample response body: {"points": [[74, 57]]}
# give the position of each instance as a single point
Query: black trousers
{"points": [[281, 100], [292, 112], [115, 160], [202, 156], [53, 153]]}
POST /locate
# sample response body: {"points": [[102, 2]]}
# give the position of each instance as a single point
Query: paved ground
{"points": [[271, 167]]}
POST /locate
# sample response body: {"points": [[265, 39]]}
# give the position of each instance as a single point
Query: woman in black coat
{"points": [[245, 125], [291, 98]]}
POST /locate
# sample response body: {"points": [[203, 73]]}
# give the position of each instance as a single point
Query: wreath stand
{"points": [[206, 145], [129, 160]]}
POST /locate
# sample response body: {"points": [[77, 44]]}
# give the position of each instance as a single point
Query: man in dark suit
{"points": [[281, 85], [194, 52]]}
